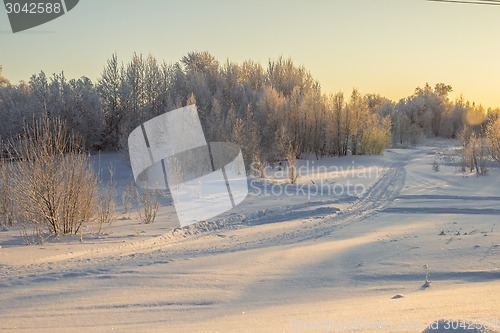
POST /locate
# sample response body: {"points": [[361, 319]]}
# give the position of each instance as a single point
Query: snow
{"points": [[293, 261]]}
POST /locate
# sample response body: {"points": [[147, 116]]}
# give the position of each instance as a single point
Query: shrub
{"points": [[435, 165], [106, 204], [150, 206], [52, 182], [375, 140]]}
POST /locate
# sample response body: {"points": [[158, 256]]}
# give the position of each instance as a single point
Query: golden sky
{"points": [[379, 46]]}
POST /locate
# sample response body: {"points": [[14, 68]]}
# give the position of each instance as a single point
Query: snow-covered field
{"points": [[302, 260]]}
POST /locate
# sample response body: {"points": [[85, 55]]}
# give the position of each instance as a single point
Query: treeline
{"points": [[276, 112]]}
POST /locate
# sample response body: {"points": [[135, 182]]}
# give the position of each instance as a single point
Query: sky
{"points": [[378, 46]]}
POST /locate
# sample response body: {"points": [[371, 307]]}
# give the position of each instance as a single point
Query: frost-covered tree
{"points": [[245, 102], [358, 118], [3, 80], [493, 137], [339, 124], [15, 108], [109, 87], [474, 151], [40, 92], [153, 85], [84, 112]]}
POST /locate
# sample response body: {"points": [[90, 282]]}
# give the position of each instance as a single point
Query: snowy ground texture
{"points": [[327, 262]]}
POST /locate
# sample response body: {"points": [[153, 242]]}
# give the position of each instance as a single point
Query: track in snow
{"points": [[178, 245]]}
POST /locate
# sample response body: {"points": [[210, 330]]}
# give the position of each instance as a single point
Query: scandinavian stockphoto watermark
{"points": [[315, 180], [27, 14], [309, 191], [205, 179]]}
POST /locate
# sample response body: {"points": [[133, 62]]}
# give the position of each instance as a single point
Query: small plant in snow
{"points": [[37, 235], [150, 206], [129, 196], [106, 204], [427, 283], [435, 165]]}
